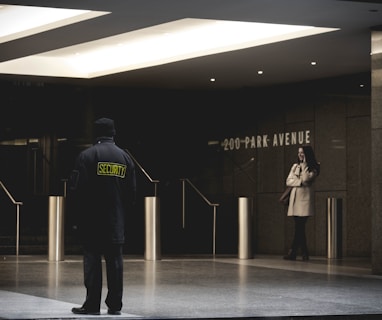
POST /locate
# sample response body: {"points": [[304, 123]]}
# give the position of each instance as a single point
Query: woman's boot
{"points": [[305, 255], [291, 255]]}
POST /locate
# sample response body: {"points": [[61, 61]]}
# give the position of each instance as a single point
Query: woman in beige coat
{"points": [[301, 203]]}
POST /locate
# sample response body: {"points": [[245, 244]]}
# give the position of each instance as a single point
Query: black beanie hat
{"points": [[104, 127]]}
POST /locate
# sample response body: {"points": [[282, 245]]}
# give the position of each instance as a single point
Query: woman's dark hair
{"points": [[311, 159]]}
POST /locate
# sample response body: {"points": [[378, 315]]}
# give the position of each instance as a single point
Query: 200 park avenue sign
{"points": [[265, 141]]}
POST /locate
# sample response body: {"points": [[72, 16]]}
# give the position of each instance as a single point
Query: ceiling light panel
{"points": [[21, 21], [174, 41]]}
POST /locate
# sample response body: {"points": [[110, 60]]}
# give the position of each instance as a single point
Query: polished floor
{"points": [[197, 287]]}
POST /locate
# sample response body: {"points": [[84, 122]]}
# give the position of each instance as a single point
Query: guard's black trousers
{"points": [[93, 276]]}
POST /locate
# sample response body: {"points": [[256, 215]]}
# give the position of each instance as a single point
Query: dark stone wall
{"points": [[223, 141]]}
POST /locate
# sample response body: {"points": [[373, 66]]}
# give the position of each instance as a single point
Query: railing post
{"points": [[17, 228], [56, 228], [214, 232], [214, 205], [183, 203], [334, 228], [17, 203], [152, 229], [245, 228]]}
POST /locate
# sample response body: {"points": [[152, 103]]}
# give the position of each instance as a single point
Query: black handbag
{"points": [[284, 199]]}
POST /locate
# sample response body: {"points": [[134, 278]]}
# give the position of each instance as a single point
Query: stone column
{"points": [[376, 150]]}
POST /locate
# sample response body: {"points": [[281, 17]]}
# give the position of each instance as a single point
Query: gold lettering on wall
{"points": [[264, 141]]}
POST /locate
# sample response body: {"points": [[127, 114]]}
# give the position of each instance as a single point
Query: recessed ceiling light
{"points": [[169, 42], [21, 21]]}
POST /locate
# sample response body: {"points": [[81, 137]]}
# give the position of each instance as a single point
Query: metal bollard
{"points": [[334, 228], [56, 228], [152, 229], [245, 228]]}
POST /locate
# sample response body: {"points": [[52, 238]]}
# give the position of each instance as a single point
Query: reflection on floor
{"points": [[198, 287]]}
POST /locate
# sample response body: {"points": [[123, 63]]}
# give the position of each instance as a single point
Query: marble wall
{"points": [[376, 151], [229, 144], [339, 131]]}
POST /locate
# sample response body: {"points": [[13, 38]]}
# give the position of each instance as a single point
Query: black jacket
{"points": [[103, 186]]}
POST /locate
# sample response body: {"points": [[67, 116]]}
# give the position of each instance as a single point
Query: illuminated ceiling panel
{"points": [[169, 42], [21, 21]]}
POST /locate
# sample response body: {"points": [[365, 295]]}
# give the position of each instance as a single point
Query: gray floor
{"points": [[200, 287]]}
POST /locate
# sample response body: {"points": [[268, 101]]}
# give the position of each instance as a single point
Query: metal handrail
{"points": [[214, 205], [18, 204], [144, 172]]}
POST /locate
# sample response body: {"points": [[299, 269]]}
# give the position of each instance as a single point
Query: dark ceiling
{"points": [[338, 53]]}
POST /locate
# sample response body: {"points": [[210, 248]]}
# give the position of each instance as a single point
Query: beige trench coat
{"points": [[301, 202]]}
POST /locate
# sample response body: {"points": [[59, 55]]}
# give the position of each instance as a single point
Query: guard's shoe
{"points": [[82, 310], [114, 312]]}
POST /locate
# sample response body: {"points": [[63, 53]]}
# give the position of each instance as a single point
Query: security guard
{"points": [[103, 188]]}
